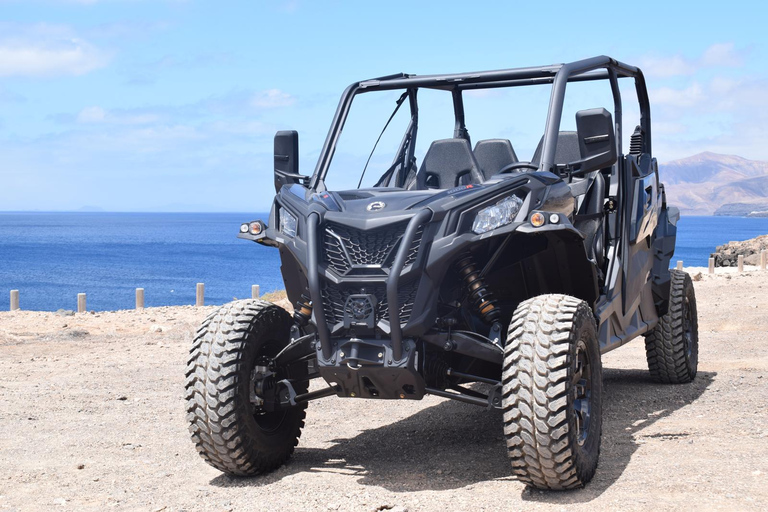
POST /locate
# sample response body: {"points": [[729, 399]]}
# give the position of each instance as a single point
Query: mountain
{"points": [[714, 184]]}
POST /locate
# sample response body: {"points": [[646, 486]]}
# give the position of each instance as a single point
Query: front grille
{"points": [[365, 251], [413, 250], [335, 297]]}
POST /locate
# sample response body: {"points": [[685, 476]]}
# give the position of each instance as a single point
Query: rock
{"points": [[81, 466], [697, 276], [65, 312], [727, 255], [156, 328]]}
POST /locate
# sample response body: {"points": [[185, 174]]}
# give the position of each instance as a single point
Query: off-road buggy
{"points": [[470, 275]]}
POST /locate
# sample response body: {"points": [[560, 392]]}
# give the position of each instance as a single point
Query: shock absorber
{"points": [[479, 295], [303, 311]]}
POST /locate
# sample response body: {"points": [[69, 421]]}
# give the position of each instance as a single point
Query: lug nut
{"points": [[381, 354]]}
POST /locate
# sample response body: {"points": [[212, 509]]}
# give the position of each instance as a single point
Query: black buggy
{"points": [[469, 275]]}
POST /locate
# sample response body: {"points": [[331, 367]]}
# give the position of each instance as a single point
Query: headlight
{"points": [[287, 223], [499, 214]]}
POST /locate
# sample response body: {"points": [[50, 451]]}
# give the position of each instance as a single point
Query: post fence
{"points": [[200, 298]]}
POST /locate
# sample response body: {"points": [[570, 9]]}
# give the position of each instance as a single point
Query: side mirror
{"points": [[597, 141], [287, 159]]}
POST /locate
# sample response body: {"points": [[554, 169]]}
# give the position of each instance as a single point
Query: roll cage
{"points": [[559, 75]]}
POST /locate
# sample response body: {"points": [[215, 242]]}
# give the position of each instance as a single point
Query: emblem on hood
{"points": [[376, 206]]}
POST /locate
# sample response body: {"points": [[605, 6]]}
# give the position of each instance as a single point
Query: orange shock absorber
{"points": [[303, 312], [479, 295]]}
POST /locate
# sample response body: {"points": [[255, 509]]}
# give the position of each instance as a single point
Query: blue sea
{"points": [[51, 257]]}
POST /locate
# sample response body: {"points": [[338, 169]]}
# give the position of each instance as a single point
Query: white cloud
{"points": [[688, 97], [722, 115], [722, 54], [91, 115], [664, 67], [44, 50], [95, 114], [716, 55], [272, 98]]}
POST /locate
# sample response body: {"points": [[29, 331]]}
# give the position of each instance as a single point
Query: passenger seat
{"points": [[493, 155], [447, 164]]}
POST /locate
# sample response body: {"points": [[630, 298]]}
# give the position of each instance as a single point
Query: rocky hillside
{"points": [[704, 184]]}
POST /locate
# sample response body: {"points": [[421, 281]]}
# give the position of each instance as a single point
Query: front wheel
{"points": [[552, 390], [229, 425]]}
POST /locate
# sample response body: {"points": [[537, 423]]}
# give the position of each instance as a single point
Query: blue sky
{"points": [[131, 105]]}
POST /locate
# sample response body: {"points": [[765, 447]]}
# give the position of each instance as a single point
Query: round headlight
{"points": [[537, 219], [256, 228]]}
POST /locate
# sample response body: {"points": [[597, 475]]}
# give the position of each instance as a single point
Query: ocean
{"points": [[51, 257]]}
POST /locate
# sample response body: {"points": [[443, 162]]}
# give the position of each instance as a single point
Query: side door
{"points": [[641, 189]]}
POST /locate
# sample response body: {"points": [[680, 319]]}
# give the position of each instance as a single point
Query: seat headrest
{"points": [[446, 163], [567, 150], [493, 155]]}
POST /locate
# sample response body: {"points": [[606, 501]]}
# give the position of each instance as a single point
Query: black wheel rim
{"points": [[582, 393], [268, 421]]}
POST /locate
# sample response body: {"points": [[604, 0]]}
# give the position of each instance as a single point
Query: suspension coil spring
{"points": [[480, 297], [303, 311], [436, 371]]}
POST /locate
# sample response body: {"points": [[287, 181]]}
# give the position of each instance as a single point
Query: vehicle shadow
{"points": [[454, 445]]}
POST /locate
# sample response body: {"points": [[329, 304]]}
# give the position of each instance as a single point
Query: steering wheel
{"points": [[517, 165]]}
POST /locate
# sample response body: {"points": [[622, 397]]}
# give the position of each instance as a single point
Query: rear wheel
{"points": [[672, 347], [229, 426], [552, 390]]}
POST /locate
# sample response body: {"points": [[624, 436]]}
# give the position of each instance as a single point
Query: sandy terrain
{"points": [[92, 418]]}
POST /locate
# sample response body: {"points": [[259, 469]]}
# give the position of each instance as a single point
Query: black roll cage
{"points": [[595, 68]]}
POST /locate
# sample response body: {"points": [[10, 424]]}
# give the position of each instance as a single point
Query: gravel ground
{"points": [[92, 418]]}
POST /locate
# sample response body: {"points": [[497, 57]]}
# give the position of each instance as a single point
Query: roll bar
{"points": [[559, 75]]}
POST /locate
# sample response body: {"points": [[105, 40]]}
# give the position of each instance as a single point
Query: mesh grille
{"points": [[335, 297], [334, 254], [413, 250], [375, 247]]}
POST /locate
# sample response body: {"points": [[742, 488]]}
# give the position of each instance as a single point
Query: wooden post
{"points": [[14, 300], [711, 265], [763, 259], [679, 264], [200, 299], [255, 291], [139, 298], [741, 263], [81, 303]]}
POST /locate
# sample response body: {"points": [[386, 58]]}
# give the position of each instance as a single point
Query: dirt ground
{"points": [[92, 418]]}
